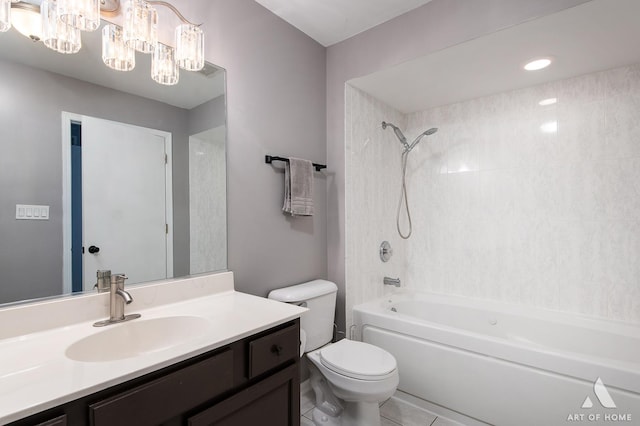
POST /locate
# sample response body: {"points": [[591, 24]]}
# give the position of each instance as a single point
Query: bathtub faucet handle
{"points": [[385, 251], [391, 281]]}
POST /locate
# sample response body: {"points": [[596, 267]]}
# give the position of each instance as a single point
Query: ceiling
{"points": [[593, 36], [332, 21]]}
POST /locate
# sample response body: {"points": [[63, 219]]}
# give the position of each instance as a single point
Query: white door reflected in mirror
{"points": [[126, 203]]}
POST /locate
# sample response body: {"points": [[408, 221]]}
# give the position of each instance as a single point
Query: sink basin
{"points": [[137, 337]]}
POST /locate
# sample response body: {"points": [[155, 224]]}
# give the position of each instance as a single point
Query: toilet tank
{"points": [[319, 296]]}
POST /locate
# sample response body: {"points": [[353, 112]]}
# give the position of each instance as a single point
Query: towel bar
{"points": [[270, 158]]}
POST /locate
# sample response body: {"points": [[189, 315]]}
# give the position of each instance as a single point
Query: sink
{"points": [[137, 337]]}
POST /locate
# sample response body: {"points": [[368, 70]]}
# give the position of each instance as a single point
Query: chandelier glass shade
{"points": [[164, 68], [81, 14], [140, 25], [190, 47], [116, 54], [56, 34], [58, 24]]}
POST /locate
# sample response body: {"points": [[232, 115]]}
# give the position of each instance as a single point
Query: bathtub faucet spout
{"points": [[391, 281]]}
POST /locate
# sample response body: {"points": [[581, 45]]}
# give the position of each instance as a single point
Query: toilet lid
{"points": [[358, 360]]}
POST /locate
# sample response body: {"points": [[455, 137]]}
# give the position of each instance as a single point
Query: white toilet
{"points": [[349, 378]]}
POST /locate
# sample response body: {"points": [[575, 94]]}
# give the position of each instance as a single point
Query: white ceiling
{"points": [[594, 36], [332, 21]]}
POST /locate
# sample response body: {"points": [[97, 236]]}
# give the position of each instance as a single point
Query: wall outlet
{"points": [[32, 212]]}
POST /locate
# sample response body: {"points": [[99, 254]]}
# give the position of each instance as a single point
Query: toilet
{"points": [[349, 378]]}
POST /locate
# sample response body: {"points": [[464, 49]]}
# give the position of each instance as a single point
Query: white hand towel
{"points": [[298, 187]]}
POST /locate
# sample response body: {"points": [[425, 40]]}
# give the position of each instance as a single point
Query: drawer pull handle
{"points": [[276, 349]]}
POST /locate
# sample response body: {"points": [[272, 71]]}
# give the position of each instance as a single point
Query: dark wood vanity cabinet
{"points": [[252, 381]]}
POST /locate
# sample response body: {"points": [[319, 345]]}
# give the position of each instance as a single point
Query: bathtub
{"points": [[507, 365]]}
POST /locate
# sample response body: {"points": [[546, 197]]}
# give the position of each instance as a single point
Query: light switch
{"points": [[31, 212]]}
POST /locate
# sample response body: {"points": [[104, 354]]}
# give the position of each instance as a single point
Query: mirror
{"points": [[103, 169]]}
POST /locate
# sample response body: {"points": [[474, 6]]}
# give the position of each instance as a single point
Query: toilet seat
{"points": [[358, 360]]}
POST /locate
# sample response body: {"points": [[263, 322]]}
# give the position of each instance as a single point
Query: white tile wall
{"points": [[207, 201], [372, 185], [501, 209]]}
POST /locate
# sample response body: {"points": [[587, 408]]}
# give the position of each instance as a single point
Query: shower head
{"points": [[398, 133], [403, 140], [419, 138]]}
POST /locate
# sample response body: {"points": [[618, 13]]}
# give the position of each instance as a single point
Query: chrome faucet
{"points": [[391, 281], [117, 299]]}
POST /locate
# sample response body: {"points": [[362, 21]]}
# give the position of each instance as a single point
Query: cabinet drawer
{"points": [[168, 396], [272, 350]]}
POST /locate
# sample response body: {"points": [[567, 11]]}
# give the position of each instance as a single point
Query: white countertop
{"points": [[35, 373]]}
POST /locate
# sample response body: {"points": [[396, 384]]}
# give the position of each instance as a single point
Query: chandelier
{"points": [[59, 23]]}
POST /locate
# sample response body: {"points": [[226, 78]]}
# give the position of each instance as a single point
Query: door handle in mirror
{"points": [[94, 249]]}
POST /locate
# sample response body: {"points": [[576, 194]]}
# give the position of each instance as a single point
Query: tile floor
{"points": [[394, 412]]}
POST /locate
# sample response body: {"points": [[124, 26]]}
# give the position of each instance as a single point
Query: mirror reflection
{"points": [[103, 169]]}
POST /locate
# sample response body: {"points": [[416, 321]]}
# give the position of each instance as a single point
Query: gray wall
{"points": [[31, 171], [276, 105], [434, 26]]}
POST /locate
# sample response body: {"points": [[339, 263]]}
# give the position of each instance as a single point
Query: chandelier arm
{"points": [[173, 9]]}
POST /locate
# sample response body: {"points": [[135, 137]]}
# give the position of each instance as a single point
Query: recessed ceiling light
{"points": [[538, 64], [549, 101]]}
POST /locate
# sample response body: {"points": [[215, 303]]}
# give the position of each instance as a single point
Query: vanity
{"points": [[201, 354]]}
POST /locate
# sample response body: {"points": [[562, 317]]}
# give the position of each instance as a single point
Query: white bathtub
{"points": [[506, 365]]}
